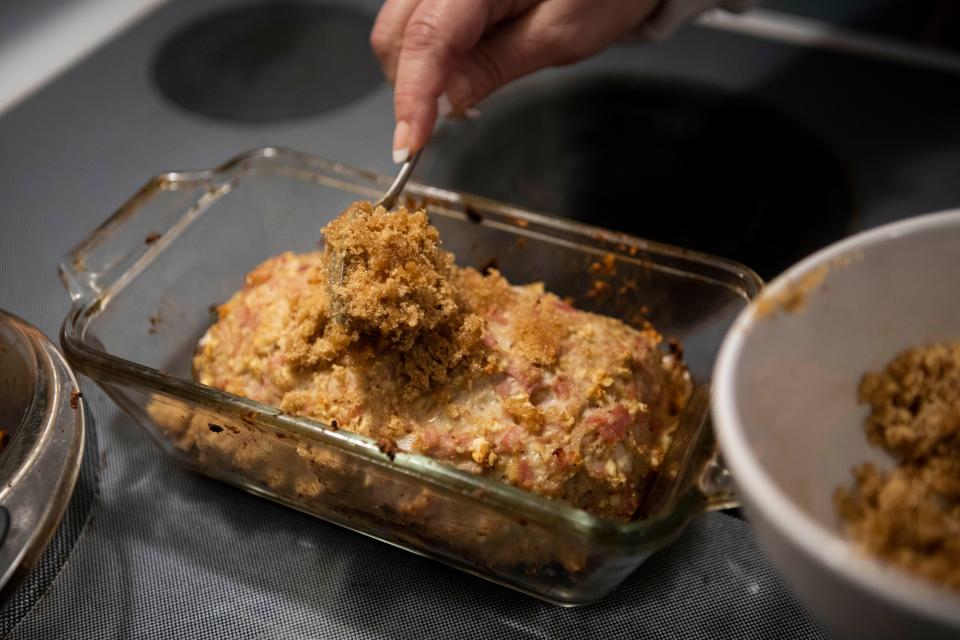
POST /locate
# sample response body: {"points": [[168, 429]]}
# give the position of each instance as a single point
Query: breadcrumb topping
{"points": [[385, 286], [387, 275]]}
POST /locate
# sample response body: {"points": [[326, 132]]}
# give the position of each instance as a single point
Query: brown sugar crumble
{"points": [[388, 447], [388, 274], [599, 289], [606, 265], [910, 516], [389, 293]]}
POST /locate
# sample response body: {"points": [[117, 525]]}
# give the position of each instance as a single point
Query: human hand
{"points": [[446, 55]]}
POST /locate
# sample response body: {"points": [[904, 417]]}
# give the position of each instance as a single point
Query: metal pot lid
{"points": [[42, 414]]}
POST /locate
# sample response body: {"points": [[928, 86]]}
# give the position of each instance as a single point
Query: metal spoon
{"points": [[389, 199]]}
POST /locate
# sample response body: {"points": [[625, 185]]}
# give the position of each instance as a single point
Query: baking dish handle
{"points": [[716, 484], [137, 232]]}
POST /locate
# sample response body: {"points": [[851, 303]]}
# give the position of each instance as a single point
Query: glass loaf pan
{"points": [[143, 285]]}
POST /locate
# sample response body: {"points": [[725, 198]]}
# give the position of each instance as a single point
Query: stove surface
{"points": [[758, 149]]}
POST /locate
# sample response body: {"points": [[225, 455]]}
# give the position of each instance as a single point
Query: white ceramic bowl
{"points": [[788, 422]]}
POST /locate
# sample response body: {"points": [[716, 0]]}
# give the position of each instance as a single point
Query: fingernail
{"points": [[471, 112], [401, 144], [444, 107], [401, 155]]}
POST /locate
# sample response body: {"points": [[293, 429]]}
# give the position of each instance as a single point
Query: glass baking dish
{"points": [[144, 285]]}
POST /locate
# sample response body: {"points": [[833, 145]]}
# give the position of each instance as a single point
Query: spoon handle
{"points": [[389, 199]]}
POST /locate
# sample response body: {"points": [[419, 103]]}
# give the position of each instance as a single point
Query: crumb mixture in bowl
{"points": [[910, 516], [383, 335]]}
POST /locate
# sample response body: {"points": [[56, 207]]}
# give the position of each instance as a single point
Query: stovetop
{"points": [[756, 149]]}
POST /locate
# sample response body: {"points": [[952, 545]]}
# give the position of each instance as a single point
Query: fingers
{"points": [[436, 33], [504, 55], [551, 33], [386, 37], [469, 48]]}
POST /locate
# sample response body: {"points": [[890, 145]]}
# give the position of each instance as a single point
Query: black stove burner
{"points": [[671, 161], [269, 62]]}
